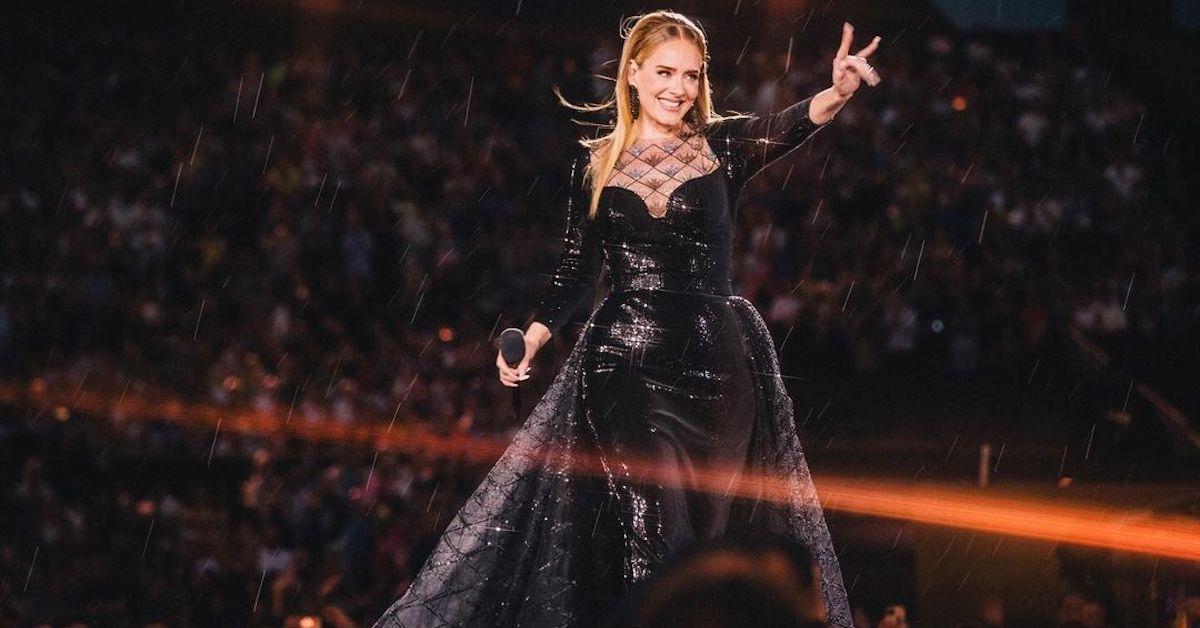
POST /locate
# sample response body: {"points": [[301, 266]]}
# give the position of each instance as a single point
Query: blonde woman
{"points": [[668, 424]]}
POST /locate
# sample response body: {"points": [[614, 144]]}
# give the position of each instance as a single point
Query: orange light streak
{"points": [[1139, 532]]}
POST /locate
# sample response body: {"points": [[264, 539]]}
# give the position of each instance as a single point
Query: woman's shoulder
{"points": [[588, 151], [584, 157], [725, 124]]}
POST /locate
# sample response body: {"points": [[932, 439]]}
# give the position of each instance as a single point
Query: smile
{"points": [[670, 105]]}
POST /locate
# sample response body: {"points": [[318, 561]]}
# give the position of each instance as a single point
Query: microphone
{"points": [[512, 346], [512, 349]]}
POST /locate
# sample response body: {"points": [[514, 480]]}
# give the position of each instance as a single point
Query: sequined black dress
{"points": [[672, 384]]}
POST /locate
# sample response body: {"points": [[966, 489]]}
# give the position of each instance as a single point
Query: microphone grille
{"points": [[512, 345]]}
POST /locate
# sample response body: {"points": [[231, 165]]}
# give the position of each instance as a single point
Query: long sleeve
{"points": [[574, 278], [756, 142]]}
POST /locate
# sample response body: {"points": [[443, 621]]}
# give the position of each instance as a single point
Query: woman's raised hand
{"points": [[535, 337], [849, 71]]}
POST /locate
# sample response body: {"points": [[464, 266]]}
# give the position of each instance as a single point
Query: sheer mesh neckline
{"points": [[654, 168]]}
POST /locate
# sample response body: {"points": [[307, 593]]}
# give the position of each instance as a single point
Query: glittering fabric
{"points": [[670, 369]]}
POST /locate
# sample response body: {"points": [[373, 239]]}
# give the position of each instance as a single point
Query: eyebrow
{"points": [[667, 67]]}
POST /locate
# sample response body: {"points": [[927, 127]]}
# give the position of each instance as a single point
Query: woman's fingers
{"points": [[847, 39], [859, 66], [869, 48], [510, 379], [510, 376], [856, 64], [523, 368]]}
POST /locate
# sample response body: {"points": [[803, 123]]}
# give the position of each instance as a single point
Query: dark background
{"points": [[342, 243]]}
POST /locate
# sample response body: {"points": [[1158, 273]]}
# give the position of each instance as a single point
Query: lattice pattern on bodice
{"points": [[652, 169]]}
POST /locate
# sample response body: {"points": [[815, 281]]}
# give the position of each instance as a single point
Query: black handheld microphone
{"points": [[512, 349]]}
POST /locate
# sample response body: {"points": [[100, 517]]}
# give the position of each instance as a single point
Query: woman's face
{"points": [[667, 81]]}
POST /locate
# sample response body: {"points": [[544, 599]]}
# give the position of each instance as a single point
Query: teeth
{"points": [[670, 105]]}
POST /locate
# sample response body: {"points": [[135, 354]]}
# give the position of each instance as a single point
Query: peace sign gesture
{"points": [[850, 70]]}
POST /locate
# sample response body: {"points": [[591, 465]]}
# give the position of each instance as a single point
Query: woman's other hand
{"points": [[849, 71], [536, 336]]}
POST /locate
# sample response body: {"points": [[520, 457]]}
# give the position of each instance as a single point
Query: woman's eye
{"points": [[664, 73]]}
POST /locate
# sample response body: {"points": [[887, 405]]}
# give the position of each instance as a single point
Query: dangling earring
{"points": [[635, 107]]}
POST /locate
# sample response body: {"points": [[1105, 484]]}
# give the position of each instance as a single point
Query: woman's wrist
{"points": [[826, 104], [539, 332]]}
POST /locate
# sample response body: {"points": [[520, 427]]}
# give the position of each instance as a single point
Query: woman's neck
{"points": [[659, 134], [648, 133]]}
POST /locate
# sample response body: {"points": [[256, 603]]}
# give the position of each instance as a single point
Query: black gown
{"points": [[672, 387]]}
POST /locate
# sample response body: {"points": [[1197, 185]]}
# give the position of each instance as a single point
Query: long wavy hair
{"points": [[646, 33]]}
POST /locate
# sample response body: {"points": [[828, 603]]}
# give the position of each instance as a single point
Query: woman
{"points": [[672, 383]]}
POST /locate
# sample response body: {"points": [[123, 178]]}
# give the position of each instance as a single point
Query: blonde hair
{"points": [[646, 33]]}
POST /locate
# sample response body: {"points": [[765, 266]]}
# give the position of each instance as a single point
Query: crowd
{"points": [[339, 232]]}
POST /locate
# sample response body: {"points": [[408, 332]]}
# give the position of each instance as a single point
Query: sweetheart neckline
{"points": [[670, 196]]}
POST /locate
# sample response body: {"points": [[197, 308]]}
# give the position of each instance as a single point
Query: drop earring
{"points": [[635, 107]]}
